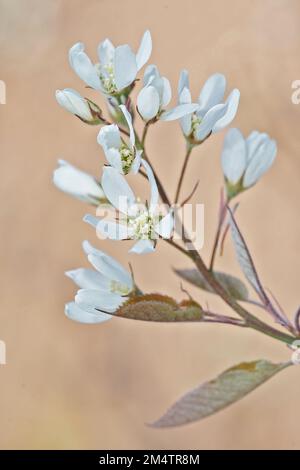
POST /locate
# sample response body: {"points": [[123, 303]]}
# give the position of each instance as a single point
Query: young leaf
{"points": [[160, 308], [249, 270], [231, 284], [245, 259], [213, 396]]}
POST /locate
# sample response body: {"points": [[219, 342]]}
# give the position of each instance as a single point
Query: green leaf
{"points": [[213, 396], [160, 308], [231, 284]]}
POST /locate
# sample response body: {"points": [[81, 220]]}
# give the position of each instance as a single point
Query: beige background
{"points": [[67, 385]]}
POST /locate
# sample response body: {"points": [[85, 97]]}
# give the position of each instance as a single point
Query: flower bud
{"points": [[81, 107], [156, 95]]}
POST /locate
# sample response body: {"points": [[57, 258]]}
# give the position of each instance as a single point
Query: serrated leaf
{"points": [[160, 308], [233, 286], [213, 396]]}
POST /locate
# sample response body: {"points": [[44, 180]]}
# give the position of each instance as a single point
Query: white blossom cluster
{"points": [[114, 76]]}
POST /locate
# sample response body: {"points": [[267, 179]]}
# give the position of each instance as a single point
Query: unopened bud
{"points": [[81, 107]]}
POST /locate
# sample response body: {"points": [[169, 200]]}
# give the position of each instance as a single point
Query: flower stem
{"points": [[210, 317], [141, 142], [183, 170], [145, 131], [222, 213], [175, 245]]}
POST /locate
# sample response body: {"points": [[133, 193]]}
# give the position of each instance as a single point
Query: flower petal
{"points": [[148, 103], [113, 230], [110, 229], [232, 104], [178, 112], [212, 92], [74, 312], [260, 162], [142, 247], [183, 81], [209, 120], [114, 159], [166, 225], [89, 249], [110, 140], [107, 265], [88, 279], [111, 271], [128, 118], [73, 102], [117, 190], [154, 195], [151, 73], [125, 68], [83, 66], [91, 220], [106, 52], [137, 162], [234, 155], [109, 136], [166, 93], [161, 84], [74, 50], [186, 121], [93, 300], [145, 49], [185, 96], [254, 140], [77, 183]]}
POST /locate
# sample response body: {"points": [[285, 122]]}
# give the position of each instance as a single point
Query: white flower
{"points": [[244, 161], [212, 115], [156, 95], [141, 221], [102, 291], [81, 107], [120, 155], [117, 68], [77, 183]]}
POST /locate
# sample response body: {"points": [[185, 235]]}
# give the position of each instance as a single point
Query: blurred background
{"points": [[68, 385]]}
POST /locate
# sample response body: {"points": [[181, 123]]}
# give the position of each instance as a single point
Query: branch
{"points": [[183, 170], [222, 213], [226, 320], [186, 200]]}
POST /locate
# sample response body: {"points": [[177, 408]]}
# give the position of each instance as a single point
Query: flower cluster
{"points": [[115, 76]]}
